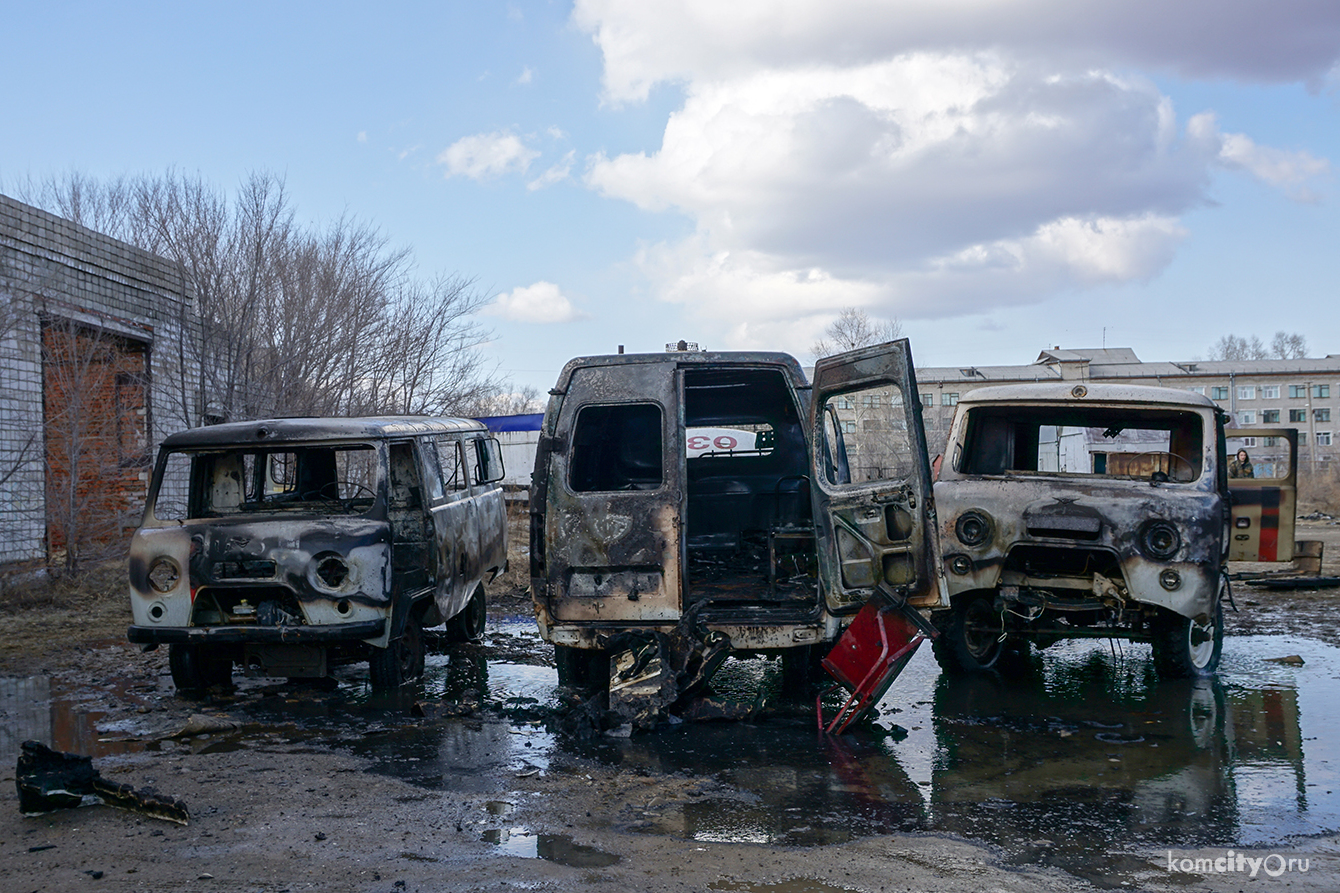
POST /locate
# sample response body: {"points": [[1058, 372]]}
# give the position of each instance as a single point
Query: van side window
{"points": [[617, 448], [432, 473], [453, 463], [489, 463]]}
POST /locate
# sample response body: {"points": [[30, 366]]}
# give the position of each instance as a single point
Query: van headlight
{"points": [[1160, 540], [164, 574], [973, 528], [331, 572]]}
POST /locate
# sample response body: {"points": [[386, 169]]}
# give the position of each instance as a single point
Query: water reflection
{"points": [[1087, 753], [1086, 757]]}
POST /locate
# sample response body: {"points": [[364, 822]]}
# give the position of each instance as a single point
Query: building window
{"points": [[1298, 415], [1297, 391], [1270, 392], [1302, 438], [949, 399], [1323, 438], [1270, 417], [1247, 417], [1247, 393], [849, 426], [927, 399], [1219, 393], [1321, 392], [1199, 389], [1272, 441], [1249, 441], [1322, 415], [843, 403]]}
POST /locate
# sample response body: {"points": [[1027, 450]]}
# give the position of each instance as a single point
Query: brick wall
{"points": [[62, 282]]}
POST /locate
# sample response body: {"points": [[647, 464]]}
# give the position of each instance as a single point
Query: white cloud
{"points": [[932, 157], [487, 155], [362, 136], [555, 174], [1278, 167], [542, 302], [526, 75], [695, 40]]}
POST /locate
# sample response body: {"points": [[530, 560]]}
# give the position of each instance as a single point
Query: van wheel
{"points": [[197, 667], [399, 662], [970, 641], [584, 668], [1186, 648], [468, 625]]}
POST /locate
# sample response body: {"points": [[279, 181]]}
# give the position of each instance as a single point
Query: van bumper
{"points": [[258, 635]]}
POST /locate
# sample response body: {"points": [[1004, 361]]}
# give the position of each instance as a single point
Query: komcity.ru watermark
{"points": [[1271, 864]]}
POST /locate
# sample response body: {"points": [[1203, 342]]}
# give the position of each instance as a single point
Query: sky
{"points": [[1001, 176]]}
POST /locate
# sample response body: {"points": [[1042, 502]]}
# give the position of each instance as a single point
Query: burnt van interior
{"points": [[750, 528]]}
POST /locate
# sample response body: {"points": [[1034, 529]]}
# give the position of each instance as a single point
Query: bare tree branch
{"points": [[853, 328]]}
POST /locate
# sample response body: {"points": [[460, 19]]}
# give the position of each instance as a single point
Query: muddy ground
{"points": [[1085, 775]]}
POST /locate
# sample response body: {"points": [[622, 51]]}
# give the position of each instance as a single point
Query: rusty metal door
{"points": [[614, 516], [1264, 491], [872, 480]]}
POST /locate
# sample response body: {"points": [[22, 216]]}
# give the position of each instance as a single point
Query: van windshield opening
{"points": [[306, 479], [1145, 444]]}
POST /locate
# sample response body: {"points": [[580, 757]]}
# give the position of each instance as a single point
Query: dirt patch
{"points": [[1302, 612]]}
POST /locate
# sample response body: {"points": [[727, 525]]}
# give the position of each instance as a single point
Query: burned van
{"points": [[722, 490], [1083, 510], [285, 547]]}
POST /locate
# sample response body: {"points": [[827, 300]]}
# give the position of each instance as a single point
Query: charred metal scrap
{"points": [[655, 675], [49, 780]]}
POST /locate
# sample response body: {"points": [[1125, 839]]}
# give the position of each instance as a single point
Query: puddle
{"points": [[1087, 762], [557, 848], [1090, 763]]}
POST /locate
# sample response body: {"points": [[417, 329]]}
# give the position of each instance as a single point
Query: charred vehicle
{"points": [[286, 546], [721, 492], [1084, 510]]}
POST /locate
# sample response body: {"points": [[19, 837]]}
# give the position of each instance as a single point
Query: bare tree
{"points": [[522, 402], [294, 320], [1233, 347], [854, 328], [1285, 346]]}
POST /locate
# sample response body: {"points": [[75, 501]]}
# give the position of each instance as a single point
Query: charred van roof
{"points": [[688, 358], [305, 430], [1075, 392]]}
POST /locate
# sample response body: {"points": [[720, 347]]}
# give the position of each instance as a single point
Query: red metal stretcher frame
{"points": [[869, 656]]}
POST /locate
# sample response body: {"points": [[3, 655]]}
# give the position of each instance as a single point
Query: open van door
{"points": [[871, 481], [1265, 493]]}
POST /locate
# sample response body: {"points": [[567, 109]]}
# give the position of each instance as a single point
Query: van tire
{"points": [[969, 640], [197, 667], [468, 625], [401, 661], [582, 668], [1185, 649]]}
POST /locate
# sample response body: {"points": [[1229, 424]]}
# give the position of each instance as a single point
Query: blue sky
{"points": [[1000, 175]]}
